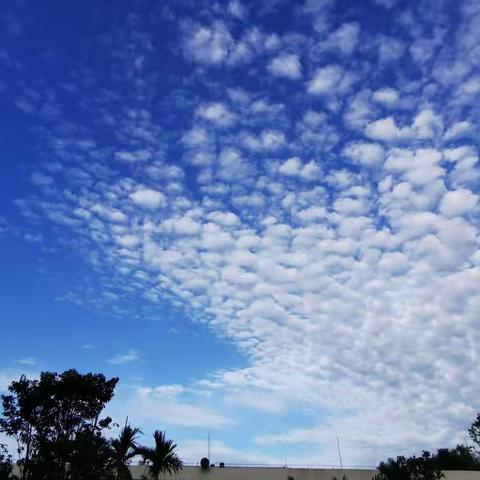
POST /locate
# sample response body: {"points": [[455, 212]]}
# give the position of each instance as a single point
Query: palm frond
{"points": [[162, 457], [124, 448]]}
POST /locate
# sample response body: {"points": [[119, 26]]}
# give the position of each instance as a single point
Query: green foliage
{"points": [[124, 448], [474, 432], [162, 457], [462, 457], [6, 465], [411, 468], [56, 423], [428, 466]]}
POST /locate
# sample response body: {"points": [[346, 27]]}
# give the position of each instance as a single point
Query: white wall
{"points": [[270, 473]]}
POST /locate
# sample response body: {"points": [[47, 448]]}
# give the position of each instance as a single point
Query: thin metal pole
{"points": [[339, 453], [208, 446]]}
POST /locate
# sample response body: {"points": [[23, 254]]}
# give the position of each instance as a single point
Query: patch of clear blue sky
{"points": [[171, 347], [32, 277]]}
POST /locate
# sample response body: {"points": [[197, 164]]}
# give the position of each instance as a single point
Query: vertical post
{"points": [[208, 446], [339, 453]]}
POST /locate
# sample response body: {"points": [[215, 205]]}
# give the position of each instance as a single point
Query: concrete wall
{"points": [[278, 473], [461, 475], [265, 473], [270, 473]]}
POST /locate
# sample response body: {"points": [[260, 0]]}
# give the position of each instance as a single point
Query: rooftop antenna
{"points": [[339, 453]]}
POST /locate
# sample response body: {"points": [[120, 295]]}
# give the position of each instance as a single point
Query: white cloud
{"points": [[294, 167], [214, 238], [236, 9], [394, 262], [426, 125], [287, 65], [422, 49], [148, 198], [419, 168], [227, 219], [109, 213], [233, 166], [329, 80], [30, 361], [196, 137], [468, 90], [458, 202], [384, 129], [185, 225], [164, 405], [193, 449], [216, 113], [344, 38], [267, 140], [365, 153], [459, 130], [172, 390], [208, 44], [123, 358], [214, 44], [390, 49], [128, 241], [386, 96]]}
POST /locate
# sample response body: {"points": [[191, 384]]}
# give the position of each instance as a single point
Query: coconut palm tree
{"points": [[162, 457], [124, 448]]}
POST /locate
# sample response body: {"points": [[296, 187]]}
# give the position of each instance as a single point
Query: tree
{"points": [[18, 410], [124, 448], [412, 468], [162, 457], [89, 458], [6, 465], [56, 423], [474, 432], [462, 457]]}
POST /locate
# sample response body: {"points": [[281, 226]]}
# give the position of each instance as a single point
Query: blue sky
{"points": [[261, 216]]}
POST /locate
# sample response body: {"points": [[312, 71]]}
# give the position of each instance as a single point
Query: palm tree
{"points": [[124, 448], [162, 457]]}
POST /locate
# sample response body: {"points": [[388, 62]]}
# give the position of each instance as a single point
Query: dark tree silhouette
{"points": [[162, 457], [124, 448], [56, 423], [474, 432], [5, 463], [411, 468], [462, 457]]}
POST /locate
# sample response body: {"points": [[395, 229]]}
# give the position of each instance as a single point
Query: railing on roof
{"points": [[216, 464]]}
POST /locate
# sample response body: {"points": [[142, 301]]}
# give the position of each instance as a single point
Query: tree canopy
{"points": [[429, 466], [57, 423], [6, 465], [162, 457], [411, 468]]}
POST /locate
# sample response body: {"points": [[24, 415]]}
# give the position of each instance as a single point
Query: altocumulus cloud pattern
{"points": [[300, 178]]}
